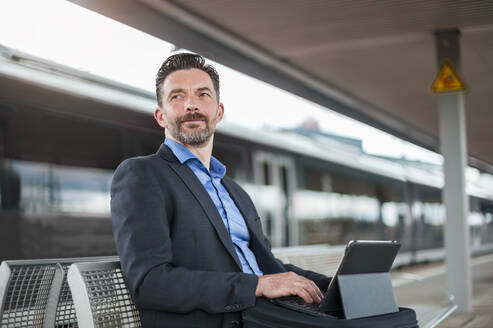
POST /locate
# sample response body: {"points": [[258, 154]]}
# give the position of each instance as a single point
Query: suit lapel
{"points": [[265, 260], [199, 192], [249, 220]]}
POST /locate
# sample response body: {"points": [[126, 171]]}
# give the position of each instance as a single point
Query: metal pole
{"points": [[453, 145]]}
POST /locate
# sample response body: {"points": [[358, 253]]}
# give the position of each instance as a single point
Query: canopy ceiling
{"points": [[373, 60]]}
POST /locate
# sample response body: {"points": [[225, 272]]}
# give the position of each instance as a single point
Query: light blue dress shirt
{"points": [[231, 215]]}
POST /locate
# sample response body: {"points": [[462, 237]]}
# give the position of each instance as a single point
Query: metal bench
{"points": [[101, 296], [29, 292], [35, 293]]}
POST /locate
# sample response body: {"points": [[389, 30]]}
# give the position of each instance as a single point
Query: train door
{"points": [[277, 174]]}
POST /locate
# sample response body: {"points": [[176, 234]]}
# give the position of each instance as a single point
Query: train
{"points": [[65, 131]]}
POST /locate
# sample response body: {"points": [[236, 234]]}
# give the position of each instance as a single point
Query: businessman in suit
{"points": [[189, 238]]}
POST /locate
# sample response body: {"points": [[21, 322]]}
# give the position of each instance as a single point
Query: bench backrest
{"points": [[65, 312], [18, 289], [29, 293], [101, 296]]}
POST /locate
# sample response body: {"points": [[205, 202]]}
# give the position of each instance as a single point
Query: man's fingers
{"points": [[288, 283], [313, 290], [319, 293], [308, 290], [305, 295]]}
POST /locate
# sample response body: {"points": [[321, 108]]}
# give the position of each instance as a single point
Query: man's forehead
{"points": [[187, 78]]}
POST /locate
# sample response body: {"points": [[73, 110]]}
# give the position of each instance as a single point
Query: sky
{"points": [[65, 33]]}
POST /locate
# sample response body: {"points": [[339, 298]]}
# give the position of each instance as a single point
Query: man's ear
{"points": [[160, 118], [220, 112]]}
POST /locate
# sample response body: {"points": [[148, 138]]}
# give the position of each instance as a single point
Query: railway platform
{"points": [[482, 315], [482, 275]]}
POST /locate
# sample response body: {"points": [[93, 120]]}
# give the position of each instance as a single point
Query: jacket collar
{"points": [[165, 153], [198, 191]]}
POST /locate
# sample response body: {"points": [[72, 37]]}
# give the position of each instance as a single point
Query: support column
{"points": [[453, 147]]}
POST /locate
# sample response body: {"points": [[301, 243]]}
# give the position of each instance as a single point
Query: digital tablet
{"points": [[360, 256]]}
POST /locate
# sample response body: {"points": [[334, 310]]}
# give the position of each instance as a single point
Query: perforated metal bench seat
{"points": [[29, 293], [35, 293], [101, 296]]}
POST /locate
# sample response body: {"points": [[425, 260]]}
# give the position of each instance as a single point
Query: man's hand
{"points": [[286, 284]]}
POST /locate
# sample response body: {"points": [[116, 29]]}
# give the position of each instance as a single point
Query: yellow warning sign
{"points": [[447, 80]]}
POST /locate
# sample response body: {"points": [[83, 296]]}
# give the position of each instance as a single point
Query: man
{"points": [[190, 241]]}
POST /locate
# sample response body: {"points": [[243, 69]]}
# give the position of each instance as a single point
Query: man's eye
{"points": [[175, 97], [204, 94]]}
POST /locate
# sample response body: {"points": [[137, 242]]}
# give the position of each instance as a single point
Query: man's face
{"points": [[190, 110]]}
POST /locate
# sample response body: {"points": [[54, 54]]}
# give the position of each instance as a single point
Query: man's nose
{"points": [[191, 104]]}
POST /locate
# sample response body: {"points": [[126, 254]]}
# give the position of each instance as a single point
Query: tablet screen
{"points": [[361, 256]]}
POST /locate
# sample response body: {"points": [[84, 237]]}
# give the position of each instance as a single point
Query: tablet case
{"points": [[366, 294]]}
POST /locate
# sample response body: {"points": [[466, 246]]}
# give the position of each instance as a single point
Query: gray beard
{"points": [[193, 138], [196, 138]]}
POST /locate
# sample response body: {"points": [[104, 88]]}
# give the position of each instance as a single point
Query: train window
{"points": [[334, 208], [40, 188], [54, 211], [434, 213]]}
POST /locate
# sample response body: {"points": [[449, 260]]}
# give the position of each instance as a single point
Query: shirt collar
{"points": [[217, 169]]}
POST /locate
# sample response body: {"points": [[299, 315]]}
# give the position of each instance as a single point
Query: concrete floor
{"points": [[427, 294], [482, 315]]}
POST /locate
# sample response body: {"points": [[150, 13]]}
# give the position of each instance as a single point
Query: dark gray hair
{"points": [[184, 61]]}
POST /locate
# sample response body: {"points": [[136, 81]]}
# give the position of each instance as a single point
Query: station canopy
{"points": [[372, 60]]}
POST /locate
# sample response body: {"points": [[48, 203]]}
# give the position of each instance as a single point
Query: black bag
{"points": [[267, 315]]}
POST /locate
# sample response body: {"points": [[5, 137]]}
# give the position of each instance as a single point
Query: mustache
{"points": [[192, 117]]}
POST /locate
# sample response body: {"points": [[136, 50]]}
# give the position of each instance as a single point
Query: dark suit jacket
{"points": [[176, 254]]}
